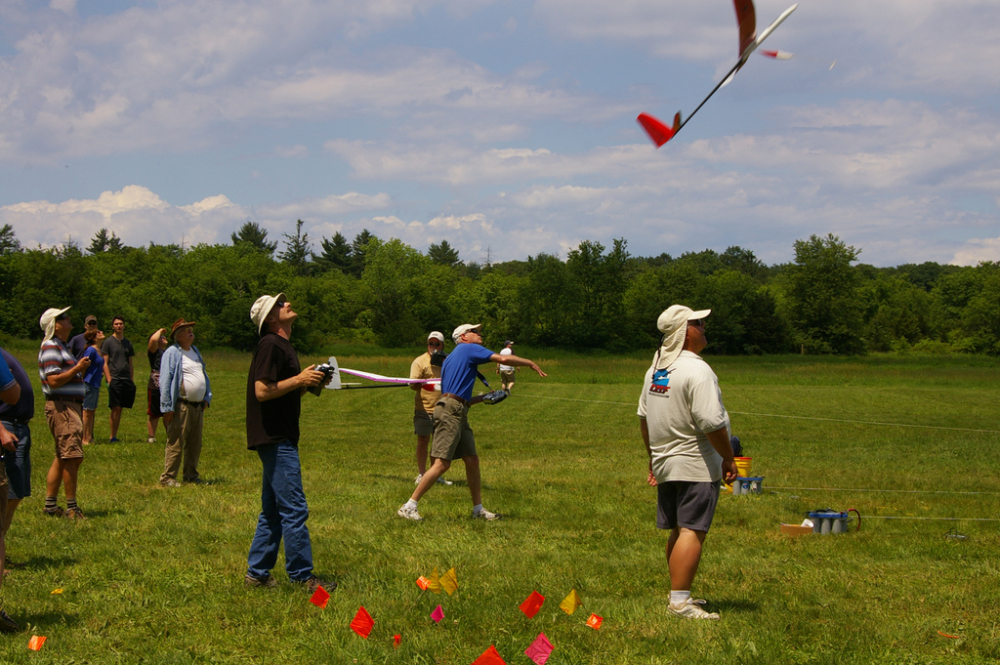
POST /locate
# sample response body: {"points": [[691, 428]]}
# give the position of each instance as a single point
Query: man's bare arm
{"points": [[517, 361], [720, 441], [268, 390]]}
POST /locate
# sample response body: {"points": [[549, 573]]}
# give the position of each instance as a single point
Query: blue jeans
{"points": [[18, 462], [283, 514]]}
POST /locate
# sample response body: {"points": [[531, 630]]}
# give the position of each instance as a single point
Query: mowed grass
{"points": [[156, 575]]}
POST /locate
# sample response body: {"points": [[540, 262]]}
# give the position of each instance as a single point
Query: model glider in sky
{"points": [[749, 41]]}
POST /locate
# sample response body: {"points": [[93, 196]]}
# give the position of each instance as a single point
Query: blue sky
{"points": [[507, 128]]}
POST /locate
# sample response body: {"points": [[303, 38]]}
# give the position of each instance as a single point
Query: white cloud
{"points": [[978, 250]]}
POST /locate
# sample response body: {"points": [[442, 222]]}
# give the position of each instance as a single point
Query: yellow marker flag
{"points": [[433, 583], [571, 602], [449, 582]]}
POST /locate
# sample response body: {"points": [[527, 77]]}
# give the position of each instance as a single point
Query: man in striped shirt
{"points": [[61, 375]]}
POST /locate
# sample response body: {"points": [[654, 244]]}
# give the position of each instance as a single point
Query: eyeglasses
{"points": [[434, 343], [62, 317]]}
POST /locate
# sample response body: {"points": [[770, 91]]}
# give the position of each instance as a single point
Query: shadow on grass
{"points": [[733, 606], [97, 514], [46, 619], [46, 563]]}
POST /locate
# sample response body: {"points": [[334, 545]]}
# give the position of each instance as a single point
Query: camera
{"points": [[327, 370], [437, 358]]}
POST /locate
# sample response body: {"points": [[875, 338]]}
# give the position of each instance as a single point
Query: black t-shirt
{"points": [[275, 420], [118, 354], [78, 346]]}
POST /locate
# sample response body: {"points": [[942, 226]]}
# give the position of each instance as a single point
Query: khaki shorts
{"points": [[423, 423], [452, 435], [506, 378], [65, 421]]}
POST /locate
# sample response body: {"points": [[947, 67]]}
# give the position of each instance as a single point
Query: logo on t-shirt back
{"points": [[661, 382]]}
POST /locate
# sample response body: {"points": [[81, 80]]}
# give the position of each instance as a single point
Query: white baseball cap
{"points": [[262, 307], [436, 335], [673, 324], [48, 321], [462, 329]]}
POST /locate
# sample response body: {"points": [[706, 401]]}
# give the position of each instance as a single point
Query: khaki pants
{"points": [[183, 440]]}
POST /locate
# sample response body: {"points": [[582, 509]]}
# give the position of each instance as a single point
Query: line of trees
{"points": [[386, 292]]}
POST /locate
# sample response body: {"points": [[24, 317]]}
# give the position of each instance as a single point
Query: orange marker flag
{"points": [[571, 602], [362, 623], [422, 582], [489, 657], [595, 621], [36, 642], [396, 639], [532, 604], [434, 583], [320, 598], [449, 581]]}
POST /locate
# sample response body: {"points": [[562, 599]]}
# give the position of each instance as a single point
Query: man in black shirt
{"points": [[119, 373], [274, 389]]}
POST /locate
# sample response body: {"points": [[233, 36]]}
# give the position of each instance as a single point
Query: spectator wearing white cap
{"points": [[274, 389], [452, 435], [61, 376], [506, 372], [426, 399], [685, 428]]}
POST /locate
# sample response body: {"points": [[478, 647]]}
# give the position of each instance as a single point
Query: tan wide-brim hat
{"points": [[178, 324], [262, 307], [48, 321], [673, 324]]}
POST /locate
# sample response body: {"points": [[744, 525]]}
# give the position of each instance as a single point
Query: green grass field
{"points": [[156, 575]]}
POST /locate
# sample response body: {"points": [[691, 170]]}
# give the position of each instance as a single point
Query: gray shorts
{"points": [[423, 423], [687, 505], [452, 435]]}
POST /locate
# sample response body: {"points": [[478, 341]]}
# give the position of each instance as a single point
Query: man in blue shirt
{"points": [[452, 435]]}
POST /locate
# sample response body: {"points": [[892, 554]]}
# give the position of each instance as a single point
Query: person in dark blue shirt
{"points": [[452, 435]]}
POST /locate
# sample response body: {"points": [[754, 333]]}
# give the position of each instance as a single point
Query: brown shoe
{"points": [[266, 582], [58, 511], [74, 514]]}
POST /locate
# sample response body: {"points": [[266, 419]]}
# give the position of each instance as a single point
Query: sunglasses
{"points": [[62, 317], [697, 323], [434, 343]]}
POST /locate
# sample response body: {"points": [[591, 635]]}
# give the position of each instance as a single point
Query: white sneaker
{"points": [[442, 481], [485, 515], [151, 439], [409, 513], [690, 610], [417, 480]]}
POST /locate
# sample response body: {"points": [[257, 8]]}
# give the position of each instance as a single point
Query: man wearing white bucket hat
{"points": [[686, 431], [274, 389]]}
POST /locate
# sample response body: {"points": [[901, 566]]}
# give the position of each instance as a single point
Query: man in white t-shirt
{"points": [[506, 372], [686, 431], [185, 393]]}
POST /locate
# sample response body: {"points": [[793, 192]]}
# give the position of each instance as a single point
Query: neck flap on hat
{"points": [[670, 349]]}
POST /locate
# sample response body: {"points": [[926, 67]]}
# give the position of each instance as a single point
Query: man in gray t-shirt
{"points": [[118, 353], [686, 431]]}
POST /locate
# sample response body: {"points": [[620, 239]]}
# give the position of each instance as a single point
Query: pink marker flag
{"points": [[532, 604], [539, 650], [362, 623], [489, 657], [437, 614]]}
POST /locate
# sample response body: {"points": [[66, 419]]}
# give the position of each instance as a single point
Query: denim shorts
{"points": [[90, 396], [18, 462]]}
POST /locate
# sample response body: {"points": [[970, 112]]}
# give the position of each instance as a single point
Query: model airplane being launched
{"points": [[749, 41]]}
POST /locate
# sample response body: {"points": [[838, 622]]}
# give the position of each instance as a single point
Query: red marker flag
{"points": [[320, 598], [362, 623], [595, 621], [532, 604], [36, 642], [396, 639], [540, 650], [489, 657]]}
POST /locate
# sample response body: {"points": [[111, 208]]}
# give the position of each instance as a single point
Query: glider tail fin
{"points": [[658, 132]]}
